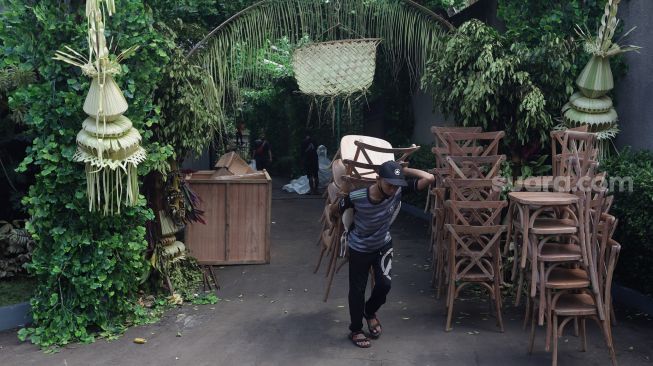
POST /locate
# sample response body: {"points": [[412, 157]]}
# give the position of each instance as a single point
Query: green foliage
{"points": [[535, 168], [556, 18], [481, 82], [634, 209], [549, 35], [441, 5], [186, 123], [86, 264], [205, 299]]}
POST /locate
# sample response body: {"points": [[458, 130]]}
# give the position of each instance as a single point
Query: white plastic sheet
{"points": [[301, 184]]}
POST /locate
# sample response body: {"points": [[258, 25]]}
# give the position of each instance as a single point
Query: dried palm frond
{"points": [[602, 45], [409, 31]]}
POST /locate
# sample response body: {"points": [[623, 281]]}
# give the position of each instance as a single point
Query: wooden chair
{"points": [[580, 305], [460, 190], [474, 168], [441, 150], [488, 141], [468, 142], [474, 257], [362, 155]]}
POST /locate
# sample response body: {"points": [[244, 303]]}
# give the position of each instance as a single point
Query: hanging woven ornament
{"points": [[108, 143], [591, 106], [341, 69]]}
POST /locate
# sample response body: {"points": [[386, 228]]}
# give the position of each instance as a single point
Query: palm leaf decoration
{"points": [[591, 106], [409, 32], [108, 144]]}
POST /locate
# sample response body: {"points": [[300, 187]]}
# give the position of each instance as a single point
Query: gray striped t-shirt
{"points": [[371, 229]]}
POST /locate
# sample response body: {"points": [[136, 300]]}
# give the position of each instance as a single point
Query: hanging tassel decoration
{"points": [[108, 144]]}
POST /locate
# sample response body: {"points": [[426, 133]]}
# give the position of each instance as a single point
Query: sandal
{"points": [[375, 330], [360, 339]]}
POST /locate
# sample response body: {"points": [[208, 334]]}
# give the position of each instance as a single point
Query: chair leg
{"points": [[613, 317], [451, 293], [527, 314], [576, 327], [607, 334], [555, 340], [543, 307], [549, 321], [497, 303], [583, 333], [520, 284], [532, 336], [319, 260], [515, 263]]}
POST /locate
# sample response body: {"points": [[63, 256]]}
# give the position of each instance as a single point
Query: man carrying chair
{"points": [[370, 244]]}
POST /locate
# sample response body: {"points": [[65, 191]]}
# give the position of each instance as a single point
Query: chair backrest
{"points": [[475, 189], [606, 229], [363, 155], [475, 213], [475, 167], [441, 148], [577, 152], [489, 141], [559, 146], [476, 251], [611, 259], [441, 139]]}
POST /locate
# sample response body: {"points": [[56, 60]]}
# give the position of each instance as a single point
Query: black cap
{"points": [[392, 172]]}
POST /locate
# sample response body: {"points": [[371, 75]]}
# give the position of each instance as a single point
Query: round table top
{"points": [[543, 198]]}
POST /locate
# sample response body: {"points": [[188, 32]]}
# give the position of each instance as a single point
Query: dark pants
{"points": [[311, 168], [261, 163], [359, 266]]}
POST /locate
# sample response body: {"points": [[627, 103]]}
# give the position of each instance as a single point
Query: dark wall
{"points": [[634, 93]]}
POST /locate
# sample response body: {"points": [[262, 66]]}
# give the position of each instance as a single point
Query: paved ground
{"points": [[274, 315]]}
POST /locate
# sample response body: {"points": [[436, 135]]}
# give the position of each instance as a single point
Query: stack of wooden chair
{"points": [[466, 227], [355, 166], [570, 253]]}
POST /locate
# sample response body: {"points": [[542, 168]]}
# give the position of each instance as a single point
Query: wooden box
{"points": [[237, 214]]}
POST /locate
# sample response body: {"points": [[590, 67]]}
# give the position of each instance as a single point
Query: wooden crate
{"points": [[237, 214]]}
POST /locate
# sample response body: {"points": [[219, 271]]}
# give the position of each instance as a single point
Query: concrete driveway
{"points": [[274, 315]]}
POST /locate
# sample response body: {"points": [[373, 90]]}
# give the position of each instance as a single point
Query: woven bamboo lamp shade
{"points": [[336, 68]]}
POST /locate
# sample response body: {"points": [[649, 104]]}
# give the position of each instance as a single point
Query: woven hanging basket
{"points": [[336, 68]]}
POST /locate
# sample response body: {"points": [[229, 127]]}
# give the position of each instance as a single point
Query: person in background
{"points": [[310, 162], [370, 244], [262, 152], [239, 133]]}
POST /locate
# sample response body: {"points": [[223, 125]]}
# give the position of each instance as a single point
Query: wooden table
{"points": [[525, 202]]}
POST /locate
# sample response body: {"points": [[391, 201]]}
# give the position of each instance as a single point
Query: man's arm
{"points": [[424, 179]]}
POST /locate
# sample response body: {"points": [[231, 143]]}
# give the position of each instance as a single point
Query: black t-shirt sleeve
{"points": [[411, 187]]}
